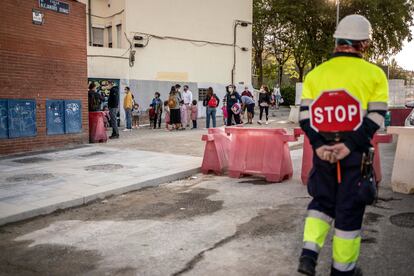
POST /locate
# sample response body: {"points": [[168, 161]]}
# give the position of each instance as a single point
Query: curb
{"points": [[82, 200]]}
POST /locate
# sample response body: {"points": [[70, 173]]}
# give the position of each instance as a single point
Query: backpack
{"points": [[94, 101], [172, 102], [212, 102]]}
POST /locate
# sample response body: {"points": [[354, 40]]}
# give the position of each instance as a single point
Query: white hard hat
{"points": [[353, 27]]}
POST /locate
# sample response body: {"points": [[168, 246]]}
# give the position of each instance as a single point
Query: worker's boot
{"points": [[307, 265], [358, 272]]}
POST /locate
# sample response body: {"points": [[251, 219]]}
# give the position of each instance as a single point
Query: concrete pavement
{"points": [[42, 183]]}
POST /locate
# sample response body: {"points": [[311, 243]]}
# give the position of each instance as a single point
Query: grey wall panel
{"points": [[143, 91]]}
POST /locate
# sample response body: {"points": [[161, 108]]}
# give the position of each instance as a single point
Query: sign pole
{"points": [[338, 164], [338, 172]]}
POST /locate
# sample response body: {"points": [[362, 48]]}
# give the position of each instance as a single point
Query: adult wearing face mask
{"points": [[232, 98]]}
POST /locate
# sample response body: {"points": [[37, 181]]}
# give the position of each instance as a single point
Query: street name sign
{"points": [[55, 5]]}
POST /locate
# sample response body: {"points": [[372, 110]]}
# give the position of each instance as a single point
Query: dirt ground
{"points": [[203, 225], [182, 200], [161, 203]]}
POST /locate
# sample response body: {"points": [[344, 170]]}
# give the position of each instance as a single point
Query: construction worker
{"points": [[333, 201]]}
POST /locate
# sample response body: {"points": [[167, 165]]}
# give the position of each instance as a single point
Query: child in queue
{"points": [[225, 115], [167, 116], [151, 114], [194, 113], [135, 116]]}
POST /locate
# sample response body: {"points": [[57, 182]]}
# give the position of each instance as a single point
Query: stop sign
{"points": [[335, 111]]}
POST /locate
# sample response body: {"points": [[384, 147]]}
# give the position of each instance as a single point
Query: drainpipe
{"points": [[90, 22], [234, 52]]}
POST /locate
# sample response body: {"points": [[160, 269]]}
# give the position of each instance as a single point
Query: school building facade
{"points": [[150, 45]]}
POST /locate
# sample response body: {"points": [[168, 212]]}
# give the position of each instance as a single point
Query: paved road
{"points": [[201, 226]]}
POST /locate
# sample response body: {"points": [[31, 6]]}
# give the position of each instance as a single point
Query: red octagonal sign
{"points": [[335, 111]]}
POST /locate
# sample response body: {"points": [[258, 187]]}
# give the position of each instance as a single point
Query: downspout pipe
{"points": [[90, 22], [233, 70]]}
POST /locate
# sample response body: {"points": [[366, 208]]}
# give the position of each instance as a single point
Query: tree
{"points": [[279, 43], [390, 20], [261, 15], [310, 24]]}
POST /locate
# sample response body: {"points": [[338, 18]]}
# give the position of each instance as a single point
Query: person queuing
{"points": [[113, 105], [265, 100], [247, 93], [194, 113], [178, 90], [157, 105], [277, 96], [232, 98], [183, 115], [248, 104], [174, 105], [135, 116], [94, 98], [167, 116], [128, 104], [341, 201], [187, 99], [211, 102], [225, 114]]}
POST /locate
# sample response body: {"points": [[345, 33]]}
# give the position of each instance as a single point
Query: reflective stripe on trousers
{"points": [[346, 245], [317, 227]]}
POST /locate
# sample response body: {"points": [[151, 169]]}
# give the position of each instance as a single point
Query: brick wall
{"points": [[43, 62]]}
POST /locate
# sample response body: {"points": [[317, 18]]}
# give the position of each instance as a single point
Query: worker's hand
{"points": [[324, 153], [340, 151]]}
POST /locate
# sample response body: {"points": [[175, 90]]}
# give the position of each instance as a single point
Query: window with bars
{"points": [[202, 94]]}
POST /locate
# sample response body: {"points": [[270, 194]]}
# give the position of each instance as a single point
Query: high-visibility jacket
{"points": [[363, 80], [368, 84]]}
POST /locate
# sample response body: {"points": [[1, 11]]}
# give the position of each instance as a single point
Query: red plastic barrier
{"points": [[216, 151], [258, 151], [307, 155], [398, 115], [97, 131], [307, 158], [379, 138]]}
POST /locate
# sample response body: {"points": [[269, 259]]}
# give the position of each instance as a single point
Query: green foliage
{"points": [[288, 94], [304, 29], [261, 21], [270, 73], [390, 19]]}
